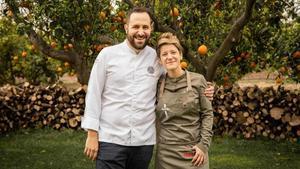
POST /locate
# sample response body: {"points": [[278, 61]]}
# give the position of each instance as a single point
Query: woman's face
{"points": [[170, 57]]}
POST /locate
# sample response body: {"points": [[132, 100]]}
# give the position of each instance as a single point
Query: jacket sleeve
{"points": [[93, 100], [206, 116]]}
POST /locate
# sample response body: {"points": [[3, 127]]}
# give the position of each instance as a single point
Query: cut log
{"points": [[73, 123], [276, 113], [295, 121]]}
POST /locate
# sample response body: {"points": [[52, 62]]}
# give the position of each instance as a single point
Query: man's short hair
{"points": [[138, 10]]}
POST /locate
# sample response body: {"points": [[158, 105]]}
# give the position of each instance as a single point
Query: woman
{"points": [[184, 115]]}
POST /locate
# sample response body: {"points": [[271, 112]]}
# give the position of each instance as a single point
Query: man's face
{"points": [[138, 30]]}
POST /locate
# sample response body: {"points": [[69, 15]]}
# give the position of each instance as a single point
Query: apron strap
{"points": [[162, 86], [163, 83], [188, 79]]}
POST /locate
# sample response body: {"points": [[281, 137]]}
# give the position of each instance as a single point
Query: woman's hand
{"points": [[199, 156], [91, 145], [209, 91]]}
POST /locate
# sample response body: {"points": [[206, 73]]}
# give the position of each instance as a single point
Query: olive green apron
{"points": [[175, 134]]}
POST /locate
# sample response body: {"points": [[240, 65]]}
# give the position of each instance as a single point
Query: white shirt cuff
{"points": [[89, 123]]}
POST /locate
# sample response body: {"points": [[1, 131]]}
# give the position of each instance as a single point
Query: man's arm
{"points": [[93, 109], [209, 91]]}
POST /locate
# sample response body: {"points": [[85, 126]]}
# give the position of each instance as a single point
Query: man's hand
{"points": [[209, 91], [91, 145]]}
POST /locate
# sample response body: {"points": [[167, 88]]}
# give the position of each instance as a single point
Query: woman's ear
{"points": [[159, 61]]}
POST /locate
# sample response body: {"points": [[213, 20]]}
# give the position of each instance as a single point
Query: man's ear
{"points": [[126, 27], [152, 26]]}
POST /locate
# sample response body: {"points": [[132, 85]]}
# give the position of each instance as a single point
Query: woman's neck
{"points": [[175, 73]]}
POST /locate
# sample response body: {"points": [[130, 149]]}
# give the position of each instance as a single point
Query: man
{"points": [[120, 102]]}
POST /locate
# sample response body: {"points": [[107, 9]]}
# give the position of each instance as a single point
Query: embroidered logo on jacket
{"points": [[150, 70]]}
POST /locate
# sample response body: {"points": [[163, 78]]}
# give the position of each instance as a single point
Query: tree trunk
{"points": [[230, 40], [82, 69]]}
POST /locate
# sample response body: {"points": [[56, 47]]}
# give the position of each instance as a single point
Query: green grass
{"points": [[51, 149]]}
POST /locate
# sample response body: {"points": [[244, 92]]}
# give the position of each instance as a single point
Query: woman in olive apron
{"points": [[184, 115]]}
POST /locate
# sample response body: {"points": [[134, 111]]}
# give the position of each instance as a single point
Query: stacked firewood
{"points": [[247, 112], [36, 107], [252, 112]]}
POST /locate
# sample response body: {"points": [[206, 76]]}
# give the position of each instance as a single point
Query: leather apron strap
{"points": [[163, 83]]}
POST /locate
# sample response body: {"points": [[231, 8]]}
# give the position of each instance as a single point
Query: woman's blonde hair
{"points": [[166, 39]]}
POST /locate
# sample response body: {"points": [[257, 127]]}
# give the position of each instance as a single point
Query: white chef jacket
{"points": [[121, 95]]}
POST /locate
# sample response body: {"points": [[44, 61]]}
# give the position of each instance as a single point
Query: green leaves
{"points": [[270, 32]]}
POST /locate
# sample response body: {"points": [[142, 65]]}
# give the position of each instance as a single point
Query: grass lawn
{"points": [[51, 149]]}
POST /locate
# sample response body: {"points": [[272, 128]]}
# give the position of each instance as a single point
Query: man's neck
{"points": [[137, 51]]}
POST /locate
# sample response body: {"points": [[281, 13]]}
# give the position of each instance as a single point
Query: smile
{"points": [[170, 62]]}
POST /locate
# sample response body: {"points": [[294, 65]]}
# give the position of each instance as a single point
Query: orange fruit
{"points": [[66, 64], [117, 19], [72, 73], [66, 47], [252, 64], [113, 28], [282, 69], [9, 13], [238, 58], [70, 45], [174, 12], [183, 65], [218, 13], [202, 50], [296, 54], [298, 67], [279, 80], [53, 44], [102, 15], [15, 58], [24, 54], [121, 14], [247, 55], [59, 69], [226, 78]]}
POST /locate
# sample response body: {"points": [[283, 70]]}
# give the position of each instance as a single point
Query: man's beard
{"points": [[135, 45]]}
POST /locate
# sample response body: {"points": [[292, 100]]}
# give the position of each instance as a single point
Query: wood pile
{"points": [[249, 112], [252, 112], [36, 107]]}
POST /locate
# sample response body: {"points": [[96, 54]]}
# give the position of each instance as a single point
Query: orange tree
{"points": [[236, 36], [20, 59]]}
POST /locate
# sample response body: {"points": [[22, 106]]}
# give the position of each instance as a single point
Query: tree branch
{"points": [[47, 50], [67, 56], [230, 40]]}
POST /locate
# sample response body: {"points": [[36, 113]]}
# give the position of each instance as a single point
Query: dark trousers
{"points": [[114, 156]]}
